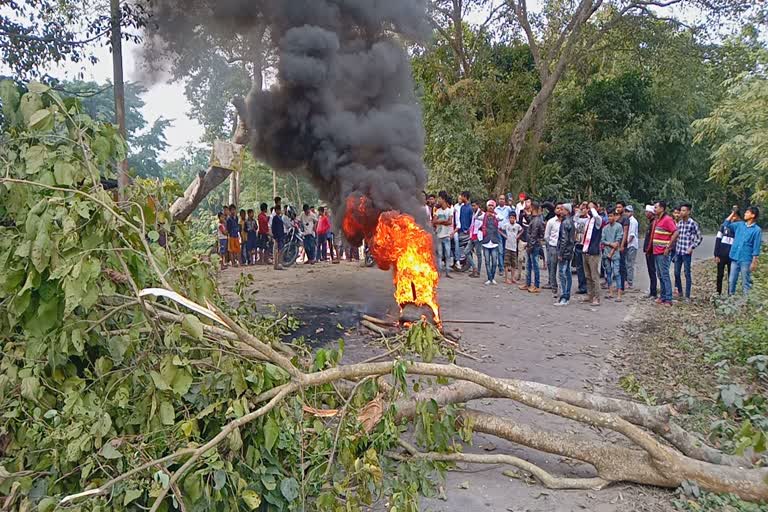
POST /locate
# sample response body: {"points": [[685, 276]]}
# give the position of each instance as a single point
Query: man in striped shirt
{"points": [[688, 239], [664, 238]]}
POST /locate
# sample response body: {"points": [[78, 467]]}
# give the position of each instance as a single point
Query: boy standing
{"points": [[233, 233], [278, 233], [688, 240], [221, 233], [243, 238], [443, 222], [251, 231], [512, 230], [263, 235], [613, 236]]}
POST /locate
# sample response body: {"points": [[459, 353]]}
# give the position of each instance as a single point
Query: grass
{"points": [[711, 355]]}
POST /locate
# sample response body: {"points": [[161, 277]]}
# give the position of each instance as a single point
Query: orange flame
{"points": [[396, 241]]}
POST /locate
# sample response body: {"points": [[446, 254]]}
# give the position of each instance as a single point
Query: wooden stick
{"points": [[378, 321], [373, 327]]}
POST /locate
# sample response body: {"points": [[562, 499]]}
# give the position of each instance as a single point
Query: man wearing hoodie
{"points": [[566, 244]]}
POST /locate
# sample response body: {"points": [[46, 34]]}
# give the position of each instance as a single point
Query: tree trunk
{"points": [[123, 181]]}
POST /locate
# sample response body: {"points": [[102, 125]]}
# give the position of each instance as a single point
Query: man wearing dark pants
{"points": [[650, 261], [623, 220], [723, 243]]}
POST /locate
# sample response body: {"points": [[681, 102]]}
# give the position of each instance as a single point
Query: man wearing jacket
{"points": [[534, 247], [723, 244], [565, 247]]}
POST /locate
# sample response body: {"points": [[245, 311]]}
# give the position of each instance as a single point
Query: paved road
{"points": [[528, 339]]}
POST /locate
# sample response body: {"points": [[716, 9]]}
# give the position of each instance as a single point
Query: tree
{"points": [[35, 33], [738, 132], [562, 36], [145, 141]]}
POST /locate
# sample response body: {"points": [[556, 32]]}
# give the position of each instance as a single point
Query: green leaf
{"points": [[35, 159], [109, 452], [30, 103], [252, 499], [219, 479], [30, 386], [193, 326], [64, 173], [41, 120], [271, 431], [182, 381], [38, 87], [167, 414], [131, 495], [47, 504], [41, 250], [153, 235], [289, 488], [159, 381]]}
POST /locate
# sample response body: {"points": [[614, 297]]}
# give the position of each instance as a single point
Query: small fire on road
{"points": [[397, 242]]}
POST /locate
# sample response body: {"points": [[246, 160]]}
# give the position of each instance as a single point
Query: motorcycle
{"points": [[294, 243]]}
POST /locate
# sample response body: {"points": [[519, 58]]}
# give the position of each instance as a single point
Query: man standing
{"points": [[463, 225], [664, 239], [650, 262], [551, 235], [308, 225], [535, 239], [521, 200], [502, 215], [623, 220], [612, 237], [278, 235], [475, 245], [565, 248], [748, 237], [580, 224], [443, 222], [723, 244], [633, 244], [688, 239], [323, 228], [591, 250]]}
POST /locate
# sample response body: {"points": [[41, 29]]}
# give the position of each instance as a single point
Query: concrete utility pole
{"points": [[117, 71]]}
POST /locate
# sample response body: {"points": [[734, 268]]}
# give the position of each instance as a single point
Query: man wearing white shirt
{"points": [[633, 244], [551, 235], [521, 200], [502, 210]]}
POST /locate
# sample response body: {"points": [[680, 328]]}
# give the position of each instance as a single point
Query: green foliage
{"points": [[738, 132], [710, 502], [91, 387]]}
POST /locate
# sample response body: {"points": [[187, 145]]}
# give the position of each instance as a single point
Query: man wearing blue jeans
{"points": [[502, 210], [664, 239], [748, 238], [535, 240], [566, 243], [443, 222], [688, 239]]}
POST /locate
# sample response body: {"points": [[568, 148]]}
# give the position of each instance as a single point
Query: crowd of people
{"points": [[245, 238], [599, 243]]}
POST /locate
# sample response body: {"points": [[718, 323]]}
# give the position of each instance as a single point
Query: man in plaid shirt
{"points": [[688, 240]]}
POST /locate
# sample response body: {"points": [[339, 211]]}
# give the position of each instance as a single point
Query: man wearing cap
{"points": [[632, 245], [520, 206], [650, 262]]}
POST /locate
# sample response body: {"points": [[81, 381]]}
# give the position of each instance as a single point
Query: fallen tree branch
{"points": [[547, 479]]}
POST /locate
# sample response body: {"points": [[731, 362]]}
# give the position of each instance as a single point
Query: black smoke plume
{"points": [[343, 110]]}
